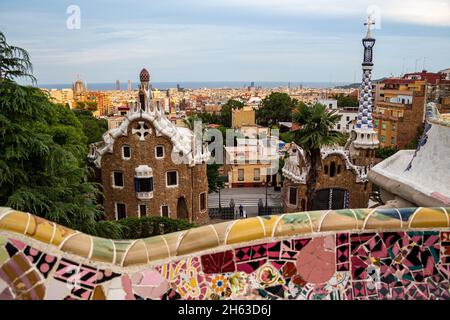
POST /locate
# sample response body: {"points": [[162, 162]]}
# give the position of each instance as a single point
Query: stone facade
{"points": [[357, 194], [149, 166], [192, 181]]}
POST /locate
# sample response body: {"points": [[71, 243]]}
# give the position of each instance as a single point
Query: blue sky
{"points": [[234, 40]]}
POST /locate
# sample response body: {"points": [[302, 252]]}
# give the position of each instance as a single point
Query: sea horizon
{"points": [[200, 84]]}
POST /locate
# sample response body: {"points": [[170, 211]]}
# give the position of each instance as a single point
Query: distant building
{"points": [[117, 85], [349, 118], [400, 111], [329, 103], [252, 163], [102, 100], [446, 72], [149, 166], [129, 85], [243, 117]]}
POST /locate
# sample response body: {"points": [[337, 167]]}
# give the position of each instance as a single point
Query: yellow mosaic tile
{"points": [[45, 230], [156, 248], [79, 244], [137, 254], [429, 218], [61, 233], [293, 223], [245, 230], [269, 223], [339, 221], [14, 221], [198, 239], [172, 240], [221, 229]]}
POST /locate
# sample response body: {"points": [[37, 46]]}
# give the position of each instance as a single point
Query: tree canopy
{"points": [[43, 160], [346, 101], [274, 108], [14, 62], [226, 112], [93, 128], [316, 131], [316, 126]]}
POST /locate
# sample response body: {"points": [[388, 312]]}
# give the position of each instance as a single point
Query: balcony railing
{"points": [[144, 195]]}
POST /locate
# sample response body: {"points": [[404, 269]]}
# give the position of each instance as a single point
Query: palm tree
{"points": [[14, 62], [316, 131]]}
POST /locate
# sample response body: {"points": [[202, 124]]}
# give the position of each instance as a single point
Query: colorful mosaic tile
{"points": [[362, 264]]}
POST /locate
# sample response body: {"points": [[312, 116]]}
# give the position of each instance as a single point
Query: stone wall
{"points": [[192, 181], [348, 254], [358, 192]]}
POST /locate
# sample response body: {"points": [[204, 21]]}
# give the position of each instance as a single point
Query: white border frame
{"points": [[168, 210], [178, 179], [123, 153], [115, 210], [139, 209], [113, 181], [200, 201], [164, 151]]}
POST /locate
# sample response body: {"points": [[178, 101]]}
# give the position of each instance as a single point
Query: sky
{"points": [[226, 40]]}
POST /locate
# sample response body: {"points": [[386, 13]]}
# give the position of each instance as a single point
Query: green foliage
{"points": [[287, 136], [14, 62], [86, 106], [275, 108], [316, 127], [316, 130], [208, 118], [135, 228], [384, 153], [214, 180], [43, 163], [225, 112], [93, 128], [345, 101]]}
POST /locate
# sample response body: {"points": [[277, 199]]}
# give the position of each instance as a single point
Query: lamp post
{"points": [[265, 210], [220, 202]]}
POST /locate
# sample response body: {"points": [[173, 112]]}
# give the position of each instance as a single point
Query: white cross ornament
{"points": [[141, 132]]}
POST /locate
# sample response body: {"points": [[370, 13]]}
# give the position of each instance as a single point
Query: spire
{"points": [[366, 136], [369, 23]]}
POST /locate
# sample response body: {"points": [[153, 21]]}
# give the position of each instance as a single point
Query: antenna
{"points": [[403, 66], [415, 67], [424, 60]]}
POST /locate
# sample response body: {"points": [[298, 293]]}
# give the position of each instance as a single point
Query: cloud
{"points": [[429, 12]]}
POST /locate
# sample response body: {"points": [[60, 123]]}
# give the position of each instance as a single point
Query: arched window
{"points": [[332, 169], [303, 205], [325, 169], [339, 169]]}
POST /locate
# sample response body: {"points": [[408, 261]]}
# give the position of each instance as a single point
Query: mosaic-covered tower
{"points": [[364, 138]]}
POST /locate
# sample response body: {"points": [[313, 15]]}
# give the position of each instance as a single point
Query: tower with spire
{"points": [[364, 139]]}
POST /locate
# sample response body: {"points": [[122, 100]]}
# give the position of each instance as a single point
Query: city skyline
{"points": [[226, 40]]}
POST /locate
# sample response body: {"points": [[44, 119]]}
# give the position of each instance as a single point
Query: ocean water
{"points": [[200, 84]]}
